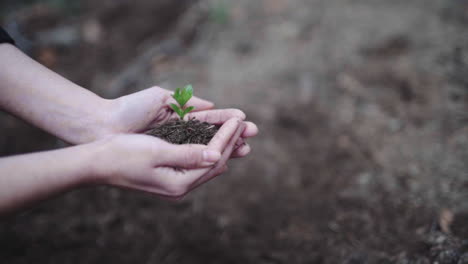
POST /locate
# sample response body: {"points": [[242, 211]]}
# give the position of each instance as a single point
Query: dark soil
{"points": [[178, 131]]}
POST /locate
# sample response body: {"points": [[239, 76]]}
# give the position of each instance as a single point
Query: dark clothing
{"points": [[5, 38]]}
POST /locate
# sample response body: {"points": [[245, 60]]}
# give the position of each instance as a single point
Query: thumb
{"points": [[188, 156]]}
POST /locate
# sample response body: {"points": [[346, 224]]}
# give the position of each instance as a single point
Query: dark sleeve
{"points": [[5, 38]]}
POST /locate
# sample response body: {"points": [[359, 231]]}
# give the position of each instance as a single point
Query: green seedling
{"points": [[182, 96]]}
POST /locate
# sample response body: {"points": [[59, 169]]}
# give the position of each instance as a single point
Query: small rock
{"points": [[449, 256], [463, 259]]}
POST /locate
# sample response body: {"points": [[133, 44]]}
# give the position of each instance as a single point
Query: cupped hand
{"points": [[144, 110], [150, 164]]}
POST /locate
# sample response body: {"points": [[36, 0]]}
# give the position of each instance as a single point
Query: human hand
{"points": [[76, 115], [144, 110], [150, 164]]}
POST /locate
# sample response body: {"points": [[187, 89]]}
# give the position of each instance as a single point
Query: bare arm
{"points": [[34, 177], [49, 101], [138, 162], [76, 115]]}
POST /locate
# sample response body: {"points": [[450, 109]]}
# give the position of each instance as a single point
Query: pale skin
{"points": [[108, 151]]}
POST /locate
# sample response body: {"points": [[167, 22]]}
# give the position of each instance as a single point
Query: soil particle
{"points": [[446, 248], [185, 132], [463, 259]]}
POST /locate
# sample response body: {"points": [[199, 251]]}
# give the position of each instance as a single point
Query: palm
{"points": [[141, 111]]}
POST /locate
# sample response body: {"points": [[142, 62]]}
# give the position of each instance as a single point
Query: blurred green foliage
{"points": [[219, 12]]}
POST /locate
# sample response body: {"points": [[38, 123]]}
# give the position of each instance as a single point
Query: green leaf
{"points": [[189, 89], [184, 95], [179, 111], [188, 110], [176, 95]]}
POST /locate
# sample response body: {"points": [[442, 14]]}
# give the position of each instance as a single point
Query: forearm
{"points": [[33, 177], [47, 100]]}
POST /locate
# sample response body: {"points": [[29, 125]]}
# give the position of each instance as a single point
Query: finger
{"points": [[218, 172], [223, 170], [180, 194], [196, 177], [153, 95], [222, 162], [239, 143], [251, 130], [198, 103], [187, 156], [242, 151], [136, 111], [218, 116], [225, 134], [224, 141]]}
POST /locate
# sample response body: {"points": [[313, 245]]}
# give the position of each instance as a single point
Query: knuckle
{"points": [[239, 113], [233, 122]]}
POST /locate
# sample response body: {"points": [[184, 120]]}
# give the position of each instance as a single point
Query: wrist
{"points": [[97, 124], [104, 121], [96, 155]]}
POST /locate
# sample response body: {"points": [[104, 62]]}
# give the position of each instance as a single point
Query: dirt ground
{"points": [[363, 112]]}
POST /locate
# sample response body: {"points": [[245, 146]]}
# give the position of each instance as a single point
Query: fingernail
{"points": [[245, 150], [211, 156]]}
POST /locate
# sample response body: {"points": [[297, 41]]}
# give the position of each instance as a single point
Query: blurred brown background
{"points": [[363, 112]]}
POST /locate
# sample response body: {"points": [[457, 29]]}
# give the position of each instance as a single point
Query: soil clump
{"points": [[178, 131]]}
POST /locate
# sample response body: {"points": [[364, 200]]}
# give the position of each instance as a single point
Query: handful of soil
{"points": [[178, 131]]}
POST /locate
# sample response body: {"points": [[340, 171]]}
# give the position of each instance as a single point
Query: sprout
{"points": [[182, 96]]}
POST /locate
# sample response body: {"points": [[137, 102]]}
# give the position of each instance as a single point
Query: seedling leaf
{"points": [[177, 109], [182, 96], [188, 110], [177, 93], [187, 93]]}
